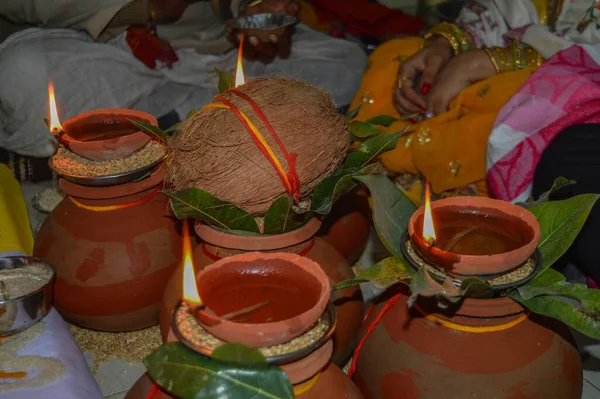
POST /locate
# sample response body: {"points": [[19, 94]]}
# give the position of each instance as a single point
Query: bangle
{"points": [[505, 62], [518, 55], [493, 59], [459, 39], [533, 59]]}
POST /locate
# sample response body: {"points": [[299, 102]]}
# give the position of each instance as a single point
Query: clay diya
{"points": [[260, 299], [26, 286], [106, 134], [474, 236]]}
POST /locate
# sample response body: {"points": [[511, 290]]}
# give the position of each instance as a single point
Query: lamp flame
{"points": [[55, 126], [428, 226], [190, 289], [239, 73]]}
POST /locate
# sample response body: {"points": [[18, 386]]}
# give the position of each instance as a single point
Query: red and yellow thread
{"points": [[115, 207]]}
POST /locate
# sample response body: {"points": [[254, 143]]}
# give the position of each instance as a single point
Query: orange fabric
{"points": [[313, 18], [448, 149]]}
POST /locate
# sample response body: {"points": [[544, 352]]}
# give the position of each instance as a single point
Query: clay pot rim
{"points": [[236, 332], [486, 264], [223, 239], [144, 116]]}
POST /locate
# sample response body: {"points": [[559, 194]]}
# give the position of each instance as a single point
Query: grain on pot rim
{"points": [[67, 162]]}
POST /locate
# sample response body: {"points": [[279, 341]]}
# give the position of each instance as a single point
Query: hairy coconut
{"points": [[214, 151]]}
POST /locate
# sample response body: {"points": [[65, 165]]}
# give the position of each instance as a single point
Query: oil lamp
{"points": [[471, 236], [239, 72]]}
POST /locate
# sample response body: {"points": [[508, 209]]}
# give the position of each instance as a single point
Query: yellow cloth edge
{"points": [[15, 229]]}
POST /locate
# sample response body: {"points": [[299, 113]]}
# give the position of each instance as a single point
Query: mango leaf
{"points": [[356, 164], [585, 321], [422, 284], [363, 130], [388, 269], [226, 80], [551, 282], [560, 222], [391, 211], [281, 218], [560, 182], [151, 129], [187, 375], [383, 120], [173, 128], [198, 204], [191, 113], [235, 352], [351, 114]]}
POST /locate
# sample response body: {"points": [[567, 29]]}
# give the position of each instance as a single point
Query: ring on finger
{"points": [[401, 81]]}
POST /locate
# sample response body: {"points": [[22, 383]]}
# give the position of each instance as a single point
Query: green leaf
{"points": [[388, 269], [556, 307], [281, 218], [383, 120], [351, 114], [226, 80], [151, 129], [187, 375], [235, 352], [422, 284], [191, 113], [363, 130], [409, 116], [391, 211], [356, 164], [551, 282], [560, 222], [173, 128], [560, 182], [198, 204]]}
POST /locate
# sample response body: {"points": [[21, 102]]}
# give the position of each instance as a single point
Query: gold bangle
{"points": [[517, 50], [493, 59], [505, 62], [460, 40], [532, 58]]}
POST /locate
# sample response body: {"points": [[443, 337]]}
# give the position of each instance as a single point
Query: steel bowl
{"points": [[263, 25], [19, 313]]}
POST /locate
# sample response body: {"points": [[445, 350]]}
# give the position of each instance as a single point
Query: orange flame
{"points": [[239, 73], [428, 226], [190, 289], [55, 126]]}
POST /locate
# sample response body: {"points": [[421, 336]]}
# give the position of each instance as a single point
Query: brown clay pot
{"points": [[301, 275], [217, 245], [112, 265], [348, 225], [409, 356], [106, 134], [508, 218]]}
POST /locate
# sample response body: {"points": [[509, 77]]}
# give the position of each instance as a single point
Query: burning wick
{"points": [[190, 289], [239, 73], [55, 126], [428, 226]]}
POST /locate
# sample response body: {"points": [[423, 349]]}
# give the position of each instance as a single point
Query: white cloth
{"points": [[88, 75]]}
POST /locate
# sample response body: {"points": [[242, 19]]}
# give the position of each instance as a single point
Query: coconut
{"points": [[214, 151]]}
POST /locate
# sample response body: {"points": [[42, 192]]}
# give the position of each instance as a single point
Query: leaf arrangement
{"points": [[233, 371], [283, 216], [547, 293]]}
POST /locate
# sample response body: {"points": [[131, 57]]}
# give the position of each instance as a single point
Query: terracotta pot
{"points": [[217, 245], [112, 265], [409, 356], [504, 218], [245, 280], [106, 134], [348, 225], [313, 377]]}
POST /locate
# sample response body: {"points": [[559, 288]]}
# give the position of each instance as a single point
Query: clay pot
{"points": [[228, 285], [331, 382], [111, 265], [348, 225], [106, 134], [501, 217], [217, 245], [409, 356]]}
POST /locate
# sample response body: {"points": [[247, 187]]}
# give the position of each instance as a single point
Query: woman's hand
{"points": [[274, 45], [461, 72], [428, 62]]}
